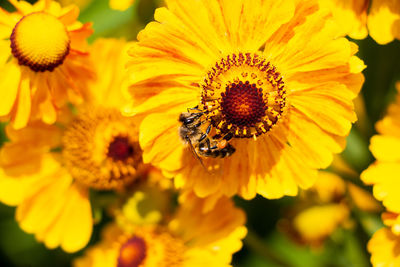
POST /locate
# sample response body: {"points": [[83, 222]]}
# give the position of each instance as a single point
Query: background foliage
{"points": [[265, 245]]}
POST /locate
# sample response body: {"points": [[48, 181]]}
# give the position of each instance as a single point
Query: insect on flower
{"points": [[198, 140]]}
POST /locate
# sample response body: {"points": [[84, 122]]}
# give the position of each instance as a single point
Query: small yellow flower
{"points": [[383, 174], [269, 79], [47, 170], [190, 238], [44, 61]]}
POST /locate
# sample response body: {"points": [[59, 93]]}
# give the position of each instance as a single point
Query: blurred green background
{"points": [[265, 245]]}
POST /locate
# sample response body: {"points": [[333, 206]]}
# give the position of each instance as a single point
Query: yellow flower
{"points": [[47, 170], [384, 249], [321, 210], [384, 244], [121, 4], [351, 16], [383, 174], [383, 20], [269, 78], [190, 238], [47, 64]]}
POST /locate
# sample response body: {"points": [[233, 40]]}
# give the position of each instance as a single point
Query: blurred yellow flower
{"points": [[351, 15], [381, 17], [271, 80], [383, 174], [319, 212], [384, 249], [384, 244], [47, 170], [121, 4], [384, 20], [190, 238], [48, 63]]}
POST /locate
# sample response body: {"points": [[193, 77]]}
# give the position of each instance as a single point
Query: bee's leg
{"points": [[228, 136], [204, 135]]}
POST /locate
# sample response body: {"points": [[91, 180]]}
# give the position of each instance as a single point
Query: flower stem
{"points": [[258, 246]]}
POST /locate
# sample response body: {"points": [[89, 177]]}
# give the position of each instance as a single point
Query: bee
{"points": [[199, 141]]}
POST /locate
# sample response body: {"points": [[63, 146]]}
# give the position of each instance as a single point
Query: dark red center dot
{"points": [[132, 253], [120, 149], [243, 104]]}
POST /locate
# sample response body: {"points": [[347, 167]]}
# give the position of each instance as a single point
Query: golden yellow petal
{"points": [[10, 85], [384, 178], [338, 109], [385, 148], [384, 247]]}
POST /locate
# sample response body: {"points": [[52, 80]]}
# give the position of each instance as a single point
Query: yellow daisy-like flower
{"points": [[191, 238], [383, 174], [44, 60], [267, 79], [47, 170], [351, 15]]}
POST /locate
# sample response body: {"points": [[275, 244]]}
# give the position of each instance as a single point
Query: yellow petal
{"points": [[9, 84], [385, 147], [23, 107]]}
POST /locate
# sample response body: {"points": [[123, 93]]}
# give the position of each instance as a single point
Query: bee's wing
{"points": [[195, 153]]}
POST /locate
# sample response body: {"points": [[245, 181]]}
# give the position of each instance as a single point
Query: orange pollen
{"points": [[132, 253], [243, 95], [40, 41], [222, 144]]}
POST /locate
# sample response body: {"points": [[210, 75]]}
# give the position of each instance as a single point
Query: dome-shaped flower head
{"points": [[48, 170], [243, 97], [44, 60], [188, 238]]}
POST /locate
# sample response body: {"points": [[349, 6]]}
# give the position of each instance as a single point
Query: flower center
{"points": [[244, 95], [243, 104], [161, 247], [132, 253], [40, 41], [101, 149], [120, 149]]}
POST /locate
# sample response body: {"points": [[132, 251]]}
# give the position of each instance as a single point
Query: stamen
{"points": [[243, 94]]}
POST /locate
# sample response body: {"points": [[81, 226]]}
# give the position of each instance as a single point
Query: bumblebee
{"points": [[199, 141]]}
